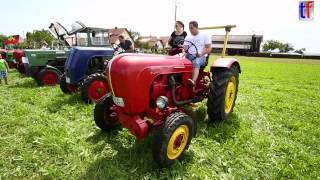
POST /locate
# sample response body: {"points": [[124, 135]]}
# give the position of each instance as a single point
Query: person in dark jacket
{"points": [[176, 39], [125, 44]]}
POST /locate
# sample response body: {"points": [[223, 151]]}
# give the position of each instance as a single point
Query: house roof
{"points": [[164, 39], [151, 40], [116, 32]]}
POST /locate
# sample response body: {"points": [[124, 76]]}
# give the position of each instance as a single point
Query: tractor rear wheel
{"points": [[222, 93], [48, 77], [104, 116], [21, 69], [94, 88], [66, 87], [173, 138]]}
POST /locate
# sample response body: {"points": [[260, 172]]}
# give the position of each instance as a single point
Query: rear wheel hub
{"points": [[50, 79], [97, 90], [230, 94]]}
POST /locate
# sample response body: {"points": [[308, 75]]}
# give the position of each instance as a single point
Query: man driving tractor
{"points": [[125, 44], [198, 47]]}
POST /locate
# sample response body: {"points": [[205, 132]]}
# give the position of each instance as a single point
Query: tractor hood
{"points": [[78, 61], [77, 27], [58, 30], [131, 75]]}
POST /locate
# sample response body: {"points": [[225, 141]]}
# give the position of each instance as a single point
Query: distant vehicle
{"points": [[84, 70], [13, 57], [46, 66]]}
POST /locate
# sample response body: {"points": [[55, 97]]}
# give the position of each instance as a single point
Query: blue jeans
{"points": [[197, 62], [3, 74]]}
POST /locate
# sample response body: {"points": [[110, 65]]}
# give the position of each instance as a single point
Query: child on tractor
{"points": [[198, 47], [4, 67]]}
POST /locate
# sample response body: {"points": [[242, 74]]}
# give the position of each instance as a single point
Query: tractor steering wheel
{"points": [[189, 46]]}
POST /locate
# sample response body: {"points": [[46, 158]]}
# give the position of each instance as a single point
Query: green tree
{"points": [[34, 39], [2, 38], [272, 45], [286, 48], [136, 36], [300, 51], [22, 45], [145, 45]]}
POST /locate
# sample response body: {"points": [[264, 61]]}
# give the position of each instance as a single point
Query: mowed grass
{"points": [[273, 133]]}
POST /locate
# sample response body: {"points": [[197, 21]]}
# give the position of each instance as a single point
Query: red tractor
{"points": [[149, 92]]}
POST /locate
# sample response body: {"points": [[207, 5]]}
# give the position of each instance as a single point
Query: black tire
{"points": [[21, 69], [40, 76], [86, 85], [217, 93], [102, 113], [65, 88], [165, 132]]}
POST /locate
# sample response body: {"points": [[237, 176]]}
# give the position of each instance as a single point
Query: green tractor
{"points": [[10, 59], [46, 65], [8, 55]]}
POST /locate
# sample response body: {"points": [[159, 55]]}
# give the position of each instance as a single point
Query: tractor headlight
{"points": [[162, 102], [118, 101], [25, 60]]}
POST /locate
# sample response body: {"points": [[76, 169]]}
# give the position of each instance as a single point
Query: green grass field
{"points": [[273, 133]]}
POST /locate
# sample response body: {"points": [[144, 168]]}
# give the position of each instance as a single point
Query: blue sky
{"points": [[272, 18]]}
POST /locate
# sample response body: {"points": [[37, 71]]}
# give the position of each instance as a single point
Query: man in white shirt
{"points": [[198, 46]]}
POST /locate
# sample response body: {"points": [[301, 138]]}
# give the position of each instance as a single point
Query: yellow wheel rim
{"points": [[178, 142], [230, 94]]}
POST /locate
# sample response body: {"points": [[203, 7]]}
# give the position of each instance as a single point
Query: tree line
{"points": [[33, 39], [282, 47]]}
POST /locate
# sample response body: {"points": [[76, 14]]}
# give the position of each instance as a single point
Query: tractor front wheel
{"points": [[173, 138], [222, 93], [104, 115], [94, 88], [66, 87], [48, 77]]}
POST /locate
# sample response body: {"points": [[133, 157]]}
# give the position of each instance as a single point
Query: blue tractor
{"points": [[84, 70]]}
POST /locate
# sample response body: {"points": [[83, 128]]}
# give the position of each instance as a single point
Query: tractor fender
{"points": [[225, 63], [52, 68]]}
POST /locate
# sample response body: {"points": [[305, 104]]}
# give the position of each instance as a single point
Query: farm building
{"points": [[116, 32], [153, 42], [165, 41], [238, 44]]}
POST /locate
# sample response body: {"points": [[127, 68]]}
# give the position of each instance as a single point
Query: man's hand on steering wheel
{"points": [[187, 47]]}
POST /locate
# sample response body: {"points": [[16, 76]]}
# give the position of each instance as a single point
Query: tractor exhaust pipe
{"points": [[172, 82]]}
